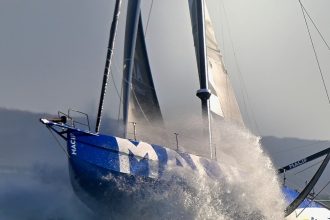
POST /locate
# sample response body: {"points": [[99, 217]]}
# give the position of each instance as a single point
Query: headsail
{"points": [[222, 101], [140, 100]]}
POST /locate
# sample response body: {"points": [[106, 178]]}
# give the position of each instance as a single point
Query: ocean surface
{"points": [[42, 192], [34, 181]]}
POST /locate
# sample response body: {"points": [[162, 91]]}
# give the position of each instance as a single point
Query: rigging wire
{"points": [[245, 96], [312, 199], [293, 184], [310, 18], [113, 81], [58, 142], [313, 165], [299, 147], [298, 178], [288, 176], [120, 103], [301, 171], [120, 96], [315, 53], [149, 15], [140, 107]]}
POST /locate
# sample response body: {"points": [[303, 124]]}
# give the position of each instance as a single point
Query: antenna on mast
{"points": [[177, 141], [134, 129]]}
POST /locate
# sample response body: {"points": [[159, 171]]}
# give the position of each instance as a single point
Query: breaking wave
{"points": [[248, 190]]}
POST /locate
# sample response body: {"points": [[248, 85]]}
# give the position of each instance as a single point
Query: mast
{"points": [[108, 62], [200, 43], [132, 21]]}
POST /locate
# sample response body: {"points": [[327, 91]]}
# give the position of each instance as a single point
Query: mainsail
{"points": [[140, 100], [222, 101]]}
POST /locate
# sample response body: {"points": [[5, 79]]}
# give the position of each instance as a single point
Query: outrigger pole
{"points": [[303, 161], [308, 188], [111, 44]]}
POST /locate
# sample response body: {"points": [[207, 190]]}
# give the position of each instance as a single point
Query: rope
{"points": [[316, 57], [58, 142]]}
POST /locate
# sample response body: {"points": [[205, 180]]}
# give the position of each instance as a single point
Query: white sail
{"points": [[222, 101]]}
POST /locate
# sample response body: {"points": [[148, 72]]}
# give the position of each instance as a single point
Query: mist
{"points": [[34, 177]]}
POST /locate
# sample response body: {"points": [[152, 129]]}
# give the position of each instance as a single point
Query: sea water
{"points": [[39, 192]]}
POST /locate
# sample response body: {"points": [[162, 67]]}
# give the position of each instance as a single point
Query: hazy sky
{"points": [[52, 56]]}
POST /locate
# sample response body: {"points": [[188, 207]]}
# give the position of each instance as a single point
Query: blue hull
{"points": [[106, 192], [111, 173], [98, 192]]}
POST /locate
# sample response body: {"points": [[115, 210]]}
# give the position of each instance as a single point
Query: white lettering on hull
{"points": [[293, 165], [174, 156], [140, 152], [144, 150], [73, 145]]}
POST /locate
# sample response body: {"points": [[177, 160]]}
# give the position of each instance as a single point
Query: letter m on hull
{"points": [[139, 158]]}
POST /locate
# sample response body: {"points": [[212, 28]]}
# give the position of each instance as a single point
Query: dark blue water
{"points": [[39, 193], [34, 181]]}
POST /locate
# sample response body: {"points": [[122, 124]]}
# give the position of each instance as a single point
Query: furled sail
{"points": [[222, 101], [140, 100]]}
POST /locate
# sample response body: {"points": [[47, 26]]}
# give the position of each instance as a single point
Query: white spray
{"points": [[249, 190]]}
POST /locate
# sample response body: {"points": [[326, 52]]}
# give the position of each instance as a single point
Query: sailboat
{"points": [[98, 162]]}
